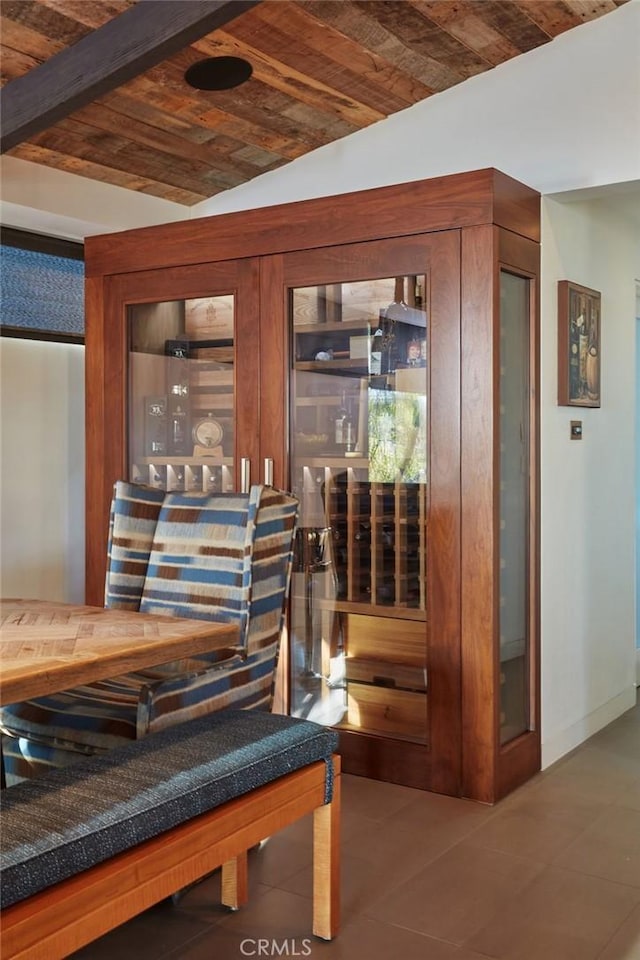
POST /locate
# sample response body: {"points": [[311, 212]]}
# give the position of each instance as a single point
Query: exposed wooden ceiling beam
{"points": [[134, 41]]}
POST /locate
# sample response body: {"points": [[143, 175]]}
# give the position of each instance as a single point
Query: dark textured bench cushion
{"points": [[73, 818]]}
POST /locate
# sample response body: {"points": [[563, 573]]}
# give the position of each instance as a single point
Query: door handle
{"points": [[245, 474], [268, 472]]}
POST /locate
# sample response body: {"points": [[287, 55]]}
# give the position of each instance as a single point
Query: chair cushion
{"points": [[87, 719], [79, 816], [247, 683]]}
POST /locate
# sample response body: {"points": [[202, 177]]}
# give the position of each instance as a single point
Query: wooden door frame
{"points": [[437, 764], [106, 377]]}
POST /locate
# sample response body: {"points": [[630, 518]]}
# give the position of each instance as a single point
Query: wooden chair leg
{"points": [[235, 882], [326, 867]]}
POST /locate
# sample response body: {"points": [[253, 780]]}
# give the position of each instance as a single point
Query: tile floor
{"points": [[550, 873]]}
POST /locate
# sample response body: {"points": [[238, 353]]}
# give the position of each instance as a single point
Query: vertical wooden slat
{"points": [[96, 491], [234, 892], [274, 368], [443, 512], [479, 476], [248, 419], [326, 863], [520, 758]]}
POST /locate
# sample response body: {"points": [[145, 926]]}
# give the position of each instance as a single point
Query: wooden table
{"points": [[46, 647]]}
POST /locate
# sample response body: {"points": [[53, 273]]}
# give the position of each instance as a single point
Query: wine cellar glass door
{"points": [[181, 379], [365, 326], [183, 426]]}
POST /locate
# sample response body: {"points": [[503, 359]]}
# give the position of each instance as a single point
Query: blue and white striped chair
{"points": [[219, 557]]}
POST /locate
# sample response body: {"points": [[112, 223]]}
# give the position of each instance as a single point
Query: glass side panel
{"points": [[514, 505], [181, 394], [360, 466]]}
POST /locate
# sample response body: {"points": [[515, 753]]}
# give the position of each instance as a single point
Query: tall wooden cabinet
{"points": [[375, 352]]}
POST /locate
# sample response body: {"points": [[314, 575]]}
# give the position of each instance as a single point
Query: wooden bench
{"points": [[87, 847]]}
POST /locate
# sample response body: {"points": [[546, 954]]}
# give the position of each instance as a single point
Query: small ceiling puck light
{"points": [[218, 73]]}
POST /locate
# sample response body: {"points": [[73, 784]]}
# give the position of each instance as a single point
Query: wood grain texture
{"points": [[326, 865], [247, 369], [445, 583], [274, 386], [438, 203], [234, 882], [98, 483], [489, 770], [47, 647], [516, 208], [321, 70], [100, 60], [479, 476], [55, 923]]}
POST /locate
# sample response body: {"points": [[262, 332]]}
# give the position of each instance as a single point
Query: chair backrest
{"points": [[201, 557], [220, 556], [271, 567], [132, 525]]}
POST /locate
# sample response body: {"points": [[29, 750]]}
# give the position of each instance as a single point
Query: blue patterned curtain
{"points": [[41, 292]]}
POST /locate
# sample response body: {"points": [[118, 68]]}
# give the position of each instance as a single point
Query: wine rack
{"points": [[372, 612], [379, 532], [191, 475]]}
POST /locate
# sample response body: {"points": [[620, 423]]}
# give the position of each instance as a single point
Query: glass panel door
{"points": [[514, 505], [181, 393], [359, 463]]}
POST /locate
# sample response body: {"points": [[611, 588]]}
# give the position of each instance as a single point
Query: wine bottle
{"points": [[155, 426], [363, 533], [178, 435], [397, 312], [349, 431], [398, 308], [375, 364], [339, 423]]}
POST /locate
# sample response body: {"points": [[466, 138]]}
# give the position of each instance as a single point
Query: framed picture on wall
{"points": [[579, 346]]}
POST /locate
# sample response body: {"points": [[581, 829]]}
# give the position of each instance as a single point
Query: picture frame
{"points": [[579, 345]]}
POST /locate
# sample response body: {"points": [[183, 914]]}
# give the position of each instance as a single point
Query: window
{"points": [[42, 287]]}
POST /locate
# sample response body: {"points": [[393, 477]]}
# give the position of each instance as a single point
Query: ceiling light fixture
{"points": [[218, 73]]}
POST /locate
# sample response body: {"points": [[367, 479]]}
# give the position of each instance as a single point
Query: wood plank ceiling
{"points": [[322, 69]]}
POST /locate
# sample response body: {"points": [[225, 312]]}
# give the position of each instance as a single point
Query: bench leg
{"points": [[235, 882], [326, 867]]}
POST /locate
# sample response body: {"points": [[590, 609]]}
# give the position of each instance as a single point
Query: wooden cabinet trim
{"points": [[478, 498], [440, 203]]}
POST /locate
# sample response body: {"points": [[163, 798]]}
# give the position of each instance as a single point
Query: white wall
{"points": [[588, 486], [638, 480], [42, 455], [62, 204]]}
